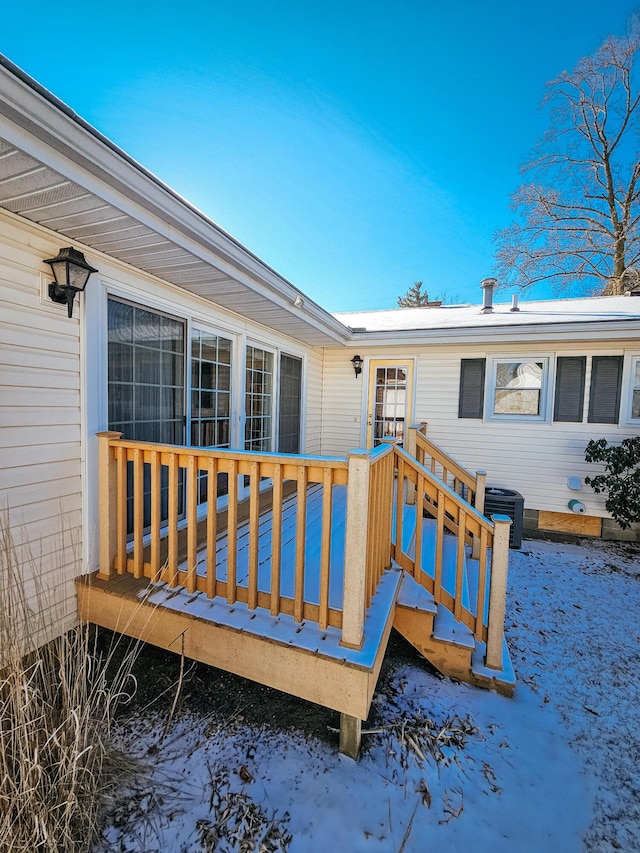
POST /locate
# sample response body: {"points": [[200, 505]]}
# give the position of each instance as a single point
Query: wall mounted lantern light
{"points": [[71, 273], [356, 361]]}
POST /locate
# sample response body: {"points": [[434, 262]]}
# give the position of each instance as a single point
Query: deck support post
{"points": [[107, 504], [355, 549], [478, 502], [350, 735], [498, 591]]}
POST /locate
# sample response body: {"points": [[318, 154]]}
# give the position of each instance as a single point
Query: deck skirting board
{"points": [[251, 644]]}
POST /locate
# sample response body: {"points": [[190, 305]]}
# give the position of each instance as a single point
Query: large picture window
{"points": [[145, 358], [146, 374]]}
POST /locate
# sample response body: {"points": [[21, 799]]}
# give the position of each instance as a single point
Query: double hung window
{"points": [[518, 387]]}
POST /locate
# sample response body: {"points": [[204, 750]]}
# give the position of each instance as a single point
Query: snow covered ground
{"points": [[446, 767]]}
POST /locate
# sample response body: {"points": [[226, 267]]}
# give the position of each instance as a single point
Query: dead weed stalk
{"points": [[57, 704]]}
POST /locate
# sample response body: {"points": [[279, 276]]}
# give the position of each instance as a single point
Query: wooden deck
{"points": [[299, 658], [299, 589], [296, 658]]}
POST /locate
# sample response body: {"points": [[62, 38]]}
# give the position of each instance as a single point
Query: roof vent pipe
{"points": [[488, 286], [514, 302]]}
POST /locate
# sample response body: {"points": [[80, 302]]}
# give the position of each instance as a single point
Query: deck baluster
{"points": [[325, 547], [301, 529], [276, 539], [232, 532], [192, 522], [254, 521], [212, 524]]}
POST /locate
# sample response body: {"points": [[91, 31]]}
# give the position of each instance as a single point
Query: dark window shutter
{"points": [[569, 398], [471, 400], [604, 395]]}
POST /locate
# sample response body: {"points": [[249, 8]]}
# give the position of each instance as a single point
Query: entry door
{"points": [[389, 400]]}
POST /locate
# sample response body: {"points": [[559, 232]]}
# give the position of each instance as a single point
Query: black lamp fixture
{"points": [[71, 273], [356, 361]]}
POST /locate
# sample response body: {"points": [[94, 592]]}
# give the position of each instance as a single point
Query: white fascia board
{"points": [[42, 126], [591, 330]]}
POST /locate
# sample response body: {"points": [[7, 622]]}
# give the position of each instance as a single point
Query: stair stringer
{"points": [[415, 616], [447, 644]]}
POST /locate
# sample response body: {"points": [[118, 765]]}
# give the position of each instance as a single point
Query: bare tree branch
{"points": [[578, 216]]}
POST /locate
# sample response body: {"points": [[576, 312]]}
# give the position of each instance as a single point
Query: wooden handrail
{"points": [[428, 453], [489, 546], [144, 486]]}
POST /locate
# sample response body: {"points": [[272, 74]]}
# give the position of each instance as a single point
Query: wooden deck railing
{"points": [[466, 595], [184, 550], [469, 486], [150, 527]]}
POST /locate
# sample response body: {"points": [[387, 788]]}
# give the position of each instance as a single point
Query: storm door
{"points": [[146, 386], [389, 400], [289, 404]]}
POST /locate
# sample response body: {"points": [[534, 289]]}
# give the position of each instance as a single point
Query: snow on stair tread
{"points": [[478, 667], [447, 628], [415, 596]]}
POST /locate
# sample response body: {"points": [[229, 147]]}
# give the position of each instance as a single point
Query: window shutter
{"points": [[604, 395], [569, 397], [471, 400]]}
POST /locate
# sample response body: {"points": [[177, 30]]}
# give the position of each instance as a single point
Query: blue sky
{"points": [[356, 147]]}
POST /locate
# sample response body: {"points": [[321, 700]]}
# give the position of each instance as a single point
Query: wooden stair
{"points": [[432, 629]]}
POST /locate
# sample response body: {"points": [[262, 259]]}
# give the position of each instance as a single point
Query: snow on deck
{"points": [[313, 533], [283, 628]]}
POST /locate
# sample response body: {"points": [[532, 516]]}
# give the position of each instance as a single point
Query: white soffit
{"points": [[58, 172]]}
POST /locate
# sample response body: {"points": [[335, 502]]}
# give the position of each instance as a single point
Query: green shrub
{"points": [[620, 480]]}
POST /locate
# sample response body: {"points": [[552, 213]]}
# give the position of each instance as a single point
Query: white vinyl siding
{"points": [[48, 453], [342, 403], [312, 402], [533, 457], [40, 432]]}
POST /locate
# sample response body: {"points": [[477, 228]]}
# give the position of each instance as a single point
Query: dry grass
{"points": [[57, 703]]}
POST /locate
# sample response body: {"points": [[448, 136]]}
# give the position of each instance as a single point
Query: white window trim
{"points": [[631, 358], [546, 392]]}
